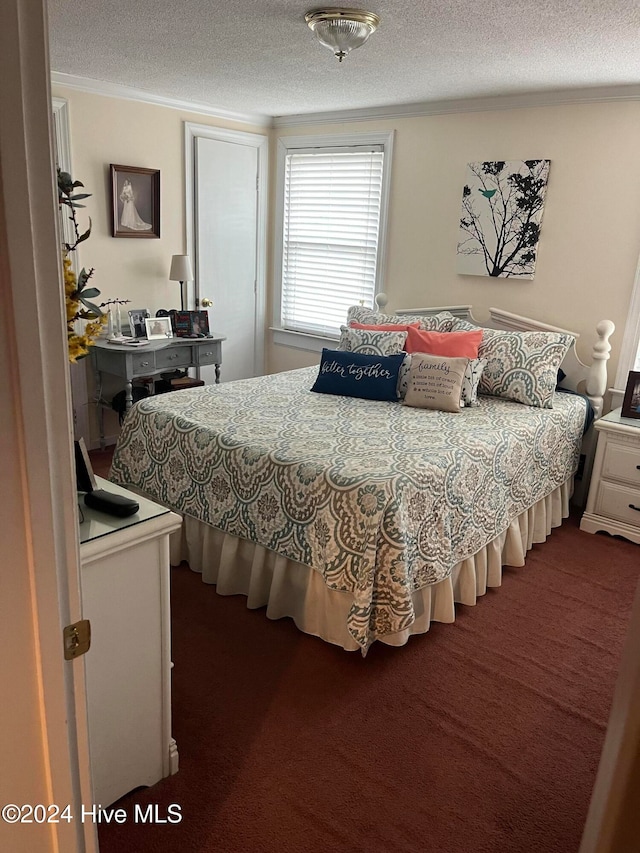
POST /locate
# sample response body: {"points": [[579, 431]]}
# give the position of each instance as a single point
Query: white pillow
{"points": [[471, 381]]}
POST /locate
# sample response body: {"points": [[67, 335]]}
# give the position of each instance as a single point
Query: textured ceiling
{"points": [[259, 56]]}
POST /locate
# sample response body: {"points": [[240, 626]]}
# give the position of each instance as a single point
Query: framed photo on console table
{"points": [[191, 324], [631, 404], [136, 201], [137, 316], [158, 328]]}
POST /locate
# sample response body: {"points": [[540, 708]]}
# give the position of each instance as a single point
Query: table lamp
{"points": [[181, 271]]}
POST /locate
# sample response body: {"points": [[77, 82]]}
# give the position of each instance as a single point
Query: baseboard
{"points": [[592, 523]]}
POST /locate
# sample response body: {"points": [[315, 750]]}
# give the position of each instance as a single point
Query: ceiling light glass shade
{"points": [[342, 30]]}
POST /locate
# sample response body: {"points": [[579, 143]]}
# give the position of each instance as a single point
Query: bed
{"points": [[361, 520]]}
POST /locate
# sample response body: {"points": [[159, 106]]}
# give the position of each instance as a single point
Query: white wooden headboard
{"points": [[590, 379]]}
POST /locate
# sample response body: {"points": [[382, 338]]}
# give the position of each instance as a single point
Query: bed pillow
{"points": [[451, 344], [384, 327], [464, 326], [403, 376], [440, 322], [355, 374], [435, 382], [470, 382], [522, 366], [371, 341]]}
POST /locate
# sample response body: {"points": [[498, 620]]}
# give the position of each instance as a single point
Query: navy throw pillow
{"points": [[355, 374]]}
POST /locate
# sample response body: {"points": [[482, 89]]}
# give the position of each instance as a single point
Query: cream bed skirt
{"points": [[287, 588]]}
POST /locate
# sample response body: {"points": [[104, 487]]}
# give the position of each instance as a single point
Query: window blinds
{"points": [[332, 200]]}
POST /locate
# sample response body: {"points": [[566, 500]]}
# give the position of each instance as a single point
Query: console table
{"points": [[154, 357]]}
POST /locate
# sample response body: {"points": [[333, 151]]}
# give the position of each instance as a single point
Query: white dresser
{"points": [[613, 504], [125, 595]]}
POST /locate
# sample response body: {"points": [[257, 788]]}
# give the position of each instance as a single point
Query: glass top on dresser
{"points": [[97, 524]]}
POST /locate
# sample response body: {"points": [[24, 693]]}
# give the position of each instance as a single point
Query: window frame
{"points": [[287, 144], [630, 343]]}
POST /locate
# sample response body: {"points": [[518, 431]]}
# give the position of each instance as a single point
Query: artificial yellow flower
{"points": [[78, 308]]}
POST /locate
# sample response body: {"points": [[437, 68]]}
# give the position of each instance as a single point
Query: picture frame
{"points": [[631, 404], [85, 478], [191, 324], [137, 316], [135, 201], [158, 328]]}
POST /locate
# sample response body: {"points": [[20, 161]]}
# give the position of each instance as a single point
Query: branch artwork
{"points": [[502, 204]]}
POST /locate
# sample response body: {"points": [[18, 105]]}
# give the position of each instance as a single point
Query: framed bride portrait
{"points": [[136, 201]]}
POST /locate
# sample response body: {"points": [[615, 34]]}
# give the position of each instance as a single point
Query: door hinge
{"points": [[77, 639]]}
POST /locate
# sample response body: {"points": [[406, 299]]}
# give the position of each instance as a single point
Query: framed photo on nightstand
{"points": [[631, 404]]}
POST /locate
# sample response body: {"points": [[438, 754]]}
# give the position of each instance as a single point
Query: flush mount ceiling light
{"points": [[342, 30]]}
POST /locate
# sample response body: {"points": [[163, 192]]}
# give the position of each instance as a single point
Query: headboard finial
{"points": [[381, 300], [597, 378]]}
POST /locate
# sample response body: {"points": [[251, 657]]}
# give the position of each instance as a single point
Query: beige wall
{"points": [[105, 130], [590, 238]]}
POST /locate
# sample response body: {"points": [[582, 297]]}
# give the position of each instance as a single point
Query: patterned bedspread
{"points": [[382, 499]]}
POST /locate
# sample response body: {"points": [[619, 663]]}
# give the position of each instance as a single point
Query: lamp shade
{"points": [[180, 268]]}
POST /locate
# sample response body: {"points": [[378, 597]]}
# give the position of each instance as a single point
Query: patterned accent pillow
{"points": [[440, 322], [471, 381], [464, 326], [356, 374], [403, 377], [435, 382], [522, 366], [371, 342]]}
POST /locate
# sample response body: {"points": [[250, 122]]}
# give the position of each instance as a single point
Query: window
{"points": [[630, 346], [332, 209]]}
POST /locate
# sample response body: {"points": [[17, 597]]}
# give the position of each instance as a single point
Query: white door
{"points": [[226, 223], [45, 755]]}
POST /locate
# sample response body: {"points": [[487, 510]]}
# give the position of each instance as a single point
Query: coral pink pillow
{"points": [[450, 344], [385, 327]]}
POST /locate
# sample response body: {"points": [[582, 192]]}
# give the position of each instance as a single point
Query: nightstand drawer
{"points": [[211, 354], [617, 502], [176, 356], [622, 462]]}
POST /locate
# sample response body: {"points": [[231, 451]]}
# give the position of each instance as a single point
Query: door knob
{"points": [[206, 303]]}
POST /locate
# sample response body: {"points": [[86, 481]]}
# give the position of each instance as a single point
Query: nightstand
{"points": [[125, 596], [613, 504]]}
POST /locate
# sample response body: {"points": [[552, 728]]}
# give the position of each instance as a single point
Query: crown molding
{"points": [[564, 97], [116, 90], [466, 105]]}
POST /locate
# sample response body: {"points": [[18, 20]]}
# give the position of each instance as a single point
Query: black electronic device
{"points": [[111, 503], [95, 498]]}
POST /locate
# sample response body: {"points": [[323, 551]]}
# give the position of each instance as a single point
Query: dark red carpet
{"points": [[478, 737]]}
